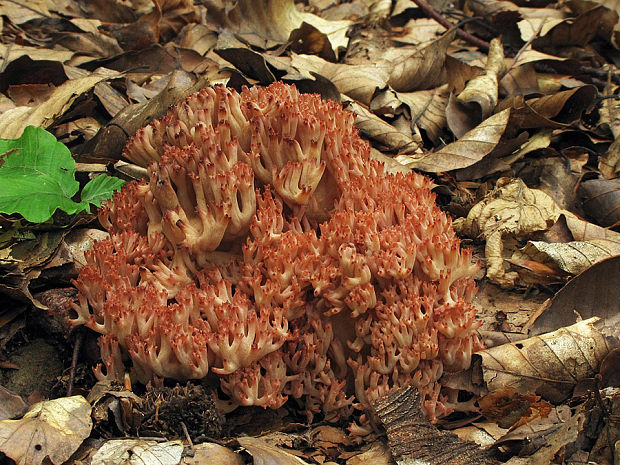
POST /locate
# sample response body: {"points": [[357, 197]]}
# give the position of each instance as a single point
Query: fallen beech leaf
{"points": [[427, 109], [585, 296], [557, 110], [609, 163], [413, 439], [265, 23], [377, 454], [540, 140], [572, 257], [13, 122], [138, 452], [479, 98], [602, 200], [358, 82], [381, 131], [533, 272], [418, 31], [51, 429], [11, 52], [574, 31], [540, 440], [211, 453], [11, 405], [510, 210], [548, 365], [519, 80], [471, 148], [263, 452], [509, 409], [418, 69]]}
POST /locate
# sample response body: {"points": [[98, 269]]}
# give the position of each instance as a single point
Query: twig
{"points": [[430, 11], [79, 338]]}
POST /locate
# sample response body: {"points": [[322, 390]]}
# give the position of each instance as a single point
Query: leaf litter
{"points": [[519, 134]]}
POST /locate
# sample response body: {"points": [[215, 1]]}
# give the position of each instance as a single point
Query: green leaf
{"points": [[99, 189], [37, 177]]}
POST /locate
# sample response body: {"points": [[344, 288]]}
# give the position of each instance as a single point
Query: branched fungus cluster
{"points": [[269, 249]]}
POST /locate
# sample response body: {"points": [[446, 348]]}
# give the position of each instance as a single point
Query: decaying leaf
{"points": [[11, 405], [585, 296], [479, 98], [548, 365], [138, 452], [469, 149], [386, 135], [209, 452], [511, 210], [602, 200], [510, 409], [413, 439], [539, 441], [13, 122], [266, 23], [571, 257], [420, 68], [263, 452], [51, 429]]}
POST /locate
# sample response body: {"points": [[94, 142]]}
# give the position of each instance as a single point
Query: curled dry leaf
{"points": [[549, 365], [585, 296], [470, 149], [263, 452], [11, 405], [509, 409], [418, 69], [52, 429], [571, 257], [511, 210], [386, 135], [138, 452], [427, 109], [479, 98], [602, 200], [13, 122], [266, 23], [211, 453], [358, 82], [539, 441], [556, 110]]}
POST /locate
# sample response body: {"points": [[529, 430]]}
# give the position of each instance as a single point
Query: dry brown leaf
{"points": [[422, 68], [544, 438], [479, 98], [265, 23], [571, 257], [587, 295], [511, 210], [263, 452], [358, 82], [519, 80], [601, 200], [138, 452], [11, 52], [211, 453], [13, 122], [420, 30], [11, 405], [471, 148], [540, 140], [377, 454], [577, 31], [609, 163], [386, 135], [583, 230], [53, 429], [549, 365], [557, 110]]}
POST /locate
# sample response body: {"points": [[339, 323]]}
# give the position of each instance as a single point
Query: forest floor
{"points": [[512, 108]]}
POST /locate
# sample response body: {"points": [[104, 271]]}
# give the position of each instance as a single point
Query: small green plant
{"points": [[37, 177]]}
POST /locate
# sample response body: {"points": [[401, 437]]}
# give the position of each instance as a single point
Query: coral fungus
{"points": [[269, 249]]}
